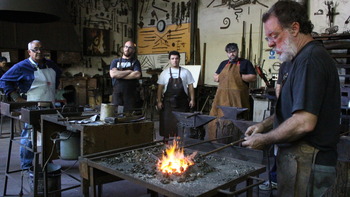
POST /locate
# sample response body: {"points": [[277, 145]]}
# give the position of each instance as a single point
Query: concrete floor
{"points": [[119, 189]]}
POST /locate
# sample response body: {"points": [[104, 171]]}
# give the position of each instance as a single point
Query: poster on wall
{"points": [[156, 61], [153, 40], [96, 42]]}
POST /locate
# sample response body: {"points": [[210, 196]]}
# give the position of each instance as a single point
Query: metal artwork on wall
{"points": [[96, 42], [226, 22]]}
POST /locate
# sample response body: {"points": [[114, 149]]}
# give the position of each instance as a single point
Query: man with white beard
{"points": [[305, 125]]}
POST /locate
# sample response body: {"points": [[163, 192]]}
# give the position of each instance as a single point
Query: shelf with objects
{"points": [[338, 46]]}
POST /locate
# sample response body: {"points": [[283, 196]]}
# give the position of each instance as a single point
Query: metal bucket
{"points": [[69, 145], [107, 110], [53, 180]]}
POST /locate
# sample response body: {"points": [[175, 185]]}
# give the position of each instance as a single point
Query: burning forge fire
{"points": [[174, 160]]}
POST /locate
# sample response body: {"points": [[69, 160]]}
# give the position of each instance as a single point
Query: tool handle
{"points": [[223, 147]]}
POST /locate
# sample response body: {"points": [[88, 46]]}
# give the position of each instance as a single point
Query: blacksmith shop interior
{"points": [[175, 98]]}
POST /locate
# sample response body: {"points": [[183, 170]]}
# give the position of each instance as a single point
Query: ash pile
{"points": [[142, 164]]}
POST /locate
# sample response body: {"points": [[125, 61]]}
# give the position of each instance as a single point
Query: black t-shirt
{"points": [[313, 86], [126, 64], [246, 67], [283, 72]]}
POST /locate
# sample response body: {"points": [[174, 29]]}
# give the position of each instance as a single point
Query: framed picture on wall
{"points": [[96, 42]]}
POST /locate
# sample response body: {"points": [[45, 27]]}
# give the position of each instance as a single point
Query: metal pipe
{"points": [[223, 147], [207, 141]]}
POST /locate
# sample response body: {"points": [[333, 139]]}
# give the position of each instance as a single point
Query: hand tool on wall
{"points": [[243, 42], [183, 11], [210, 3], [173, 19], [256, 1], [158, 8], [140, 16], [319, 12], [188, 13], [154, 14], [202, 74], [250, 44], [178, 14], [146, 9]]}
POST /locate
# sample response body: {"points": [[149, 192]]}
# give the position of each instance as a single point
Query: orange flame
{"points": [[174, 161]]}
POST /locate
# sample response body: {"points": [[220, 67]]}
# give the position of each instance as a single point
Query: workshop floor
{"points": [[115, 189]]}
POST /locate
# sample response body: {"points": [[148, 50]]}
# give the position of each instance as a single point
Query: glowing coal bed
{"points": [[203, 178]]}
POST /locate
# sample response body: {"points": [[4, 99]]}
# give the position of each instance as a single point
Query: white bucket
{"points": [[107, 110], [69, 145]]}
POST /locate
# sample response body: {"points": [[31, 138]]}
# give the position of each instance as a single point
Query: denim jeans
{"points": [[26, 155], [273, 172]]}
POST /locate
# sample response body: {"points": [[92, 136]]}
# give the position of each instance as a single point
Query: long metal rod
{"points": [[223, 147], [202, 142], [205, 102]]}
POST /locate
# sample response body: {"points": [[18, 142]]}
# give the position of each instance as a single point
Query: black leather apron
{"points": [[175, 99]]}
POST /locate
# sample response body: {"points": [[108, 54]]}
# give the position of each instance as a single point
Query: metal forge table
{"points": [[227, 174]]}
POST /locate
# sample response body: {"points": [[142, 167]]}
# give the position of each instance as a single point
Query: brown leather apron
{"points": [[175, 99], [232, 91], [294, 169]]}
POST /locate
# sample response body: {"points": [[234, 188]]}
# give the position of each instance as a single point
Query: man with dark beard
{"points": [[233, 76], [306, 123], [125, 72]]}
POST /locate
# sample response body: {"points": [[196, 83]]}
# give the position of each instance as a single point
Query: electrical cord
{"points": [[48, 159], [57, 138]]}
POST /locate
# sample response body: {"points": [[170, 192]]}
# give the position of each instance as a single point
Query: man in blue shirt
{"points": [[33, 79]]}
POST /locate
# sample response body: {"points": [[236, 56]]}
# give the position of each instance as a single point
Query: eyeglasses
{"points": [[37, 49], [273, 37], [128, 47]]}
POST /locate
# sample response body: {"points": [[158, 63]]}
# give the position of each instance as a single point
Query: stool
{"points": [[3, 98]]}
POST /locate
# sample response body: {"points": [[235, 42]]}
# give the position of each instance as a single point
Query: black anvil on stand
{"points": [[193, 121]]}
